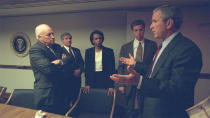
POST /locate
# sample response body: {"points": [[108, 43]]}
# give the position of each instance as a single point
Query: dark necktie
{"points": [[139, 53], [71, 54], [156, 54]]}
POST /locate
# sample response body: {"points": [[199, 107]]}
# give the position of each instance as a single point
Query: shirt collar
{"points": [[136, 42], [67, 48], [169, 39], [139, 41]]}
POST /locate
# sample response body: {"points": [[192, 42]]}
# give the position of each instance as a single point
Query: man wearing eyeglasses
{"points": [[46, 62]]}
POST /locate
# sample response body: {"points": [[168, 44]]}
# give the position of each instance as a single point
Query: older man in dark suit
{"points": [[168, 87], [71, 73], [144, 48], [46, 62]]}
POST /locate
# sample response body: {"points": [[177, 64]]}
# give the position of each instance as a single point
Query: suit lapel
{"points": [[130, 48], [92, 56], [165, 53], [48, 52], [146, 49], [104, 55], [65, 51], [75, 54]]}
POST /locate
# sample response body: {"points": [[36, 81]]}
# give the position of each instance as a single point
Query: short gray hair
{"points": [[65, 34], [171, 11], [39, 29]]}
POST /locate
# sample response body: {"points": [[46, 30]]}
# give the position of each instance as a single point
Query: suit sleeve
{"points": [[68, 63], [80, 61], [142, 68], [121, 67], [112, 69], [59, 51], [88, 70], [40, 62]]}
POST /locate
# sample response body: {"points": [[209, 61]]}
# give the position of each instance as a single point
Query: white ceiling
{"points": [[30, 7]]}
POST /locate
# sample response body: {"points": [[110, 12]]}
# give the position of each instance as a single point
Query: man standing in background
{"points": [[71, 73], [143, 50]]}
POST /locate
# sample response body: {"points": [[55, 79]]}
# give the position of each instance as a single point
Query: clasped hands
{"points": [[132, 78], [59, 61]]}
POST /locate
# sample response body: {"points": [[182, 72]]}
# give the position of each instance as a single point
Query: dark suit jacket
{"points": [[108, 63], [78, 63], [46, 74], [170, 90], [70, 80], [149, 51]]}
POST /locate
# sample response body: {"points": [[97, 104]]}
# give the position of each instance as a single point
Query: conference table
{"points": [[9, 111]]}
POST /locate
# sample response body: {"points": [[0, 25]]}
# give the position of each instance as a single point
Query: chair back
{"points": [[2, 92], [22, 98], [96, 104]]}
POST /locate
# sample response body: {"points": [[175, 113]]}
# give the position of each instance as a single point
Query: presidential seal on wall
{"points": [[20, 44]]}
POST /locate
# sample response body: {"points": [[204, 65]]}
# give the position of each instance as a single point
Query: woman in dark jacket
{"points": [[99, 64]]}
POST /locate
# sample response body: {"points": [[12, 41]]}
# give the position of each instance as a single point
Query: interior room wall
{"points": [[202, 90]]}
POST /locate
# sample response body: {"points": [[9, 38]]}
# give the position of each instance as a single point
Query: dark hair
{"points": [[137, 22], [171, 11], [96, 32], [64, 34]]}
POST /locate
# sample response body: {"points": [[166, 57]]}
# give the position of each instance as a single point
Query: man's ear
{"points": [[170, 23], [39, 36]]}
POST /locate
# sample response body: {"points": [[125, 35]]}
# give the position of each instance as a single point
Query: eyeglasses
{"points": [[48, 35]]}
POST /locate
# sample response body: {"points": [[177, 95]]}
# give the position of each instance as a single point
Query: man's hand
{"points": [[131, 79], [57, 62], [128, 61], [110, 91], [63, 56], [86, 89], [77, 73], [122, 89]]}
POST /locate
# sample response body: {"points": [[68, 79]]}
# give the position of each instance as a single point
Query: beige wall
{"points": [[115, 25], [202, 89]]}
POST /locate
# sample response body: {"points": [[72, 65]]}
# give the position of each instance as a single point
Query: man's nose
{"points": [[52, 36], [151, 27]]}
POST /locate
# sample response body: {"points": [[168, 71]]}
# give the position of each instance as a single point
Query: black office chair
{"points": [[96, 104], [22, 98], [2, 93]]}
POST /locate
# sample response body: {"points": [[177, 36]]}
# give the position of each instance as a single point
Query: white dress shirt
{"points": [[98, 61]]}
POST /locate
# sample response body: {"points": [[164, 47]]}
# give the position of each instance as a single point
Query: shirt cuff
{"points": [[139, 84], [61, 63]]}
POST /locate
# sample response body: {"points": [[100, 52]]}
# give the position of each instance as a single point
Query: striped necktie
{"points": [[156, 54]]}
